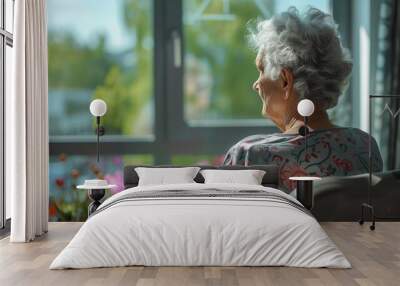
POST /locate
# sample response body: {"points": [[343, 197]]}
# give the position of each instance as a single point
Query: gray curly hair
{"points": [[309, 45]]}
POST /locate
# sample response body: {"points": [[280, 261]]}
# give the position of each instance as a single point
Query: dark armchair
{"points": [[340, 198]]}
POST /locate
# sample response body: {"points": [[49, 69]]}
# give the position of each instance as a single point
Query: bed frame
{"points": [[270, 179]]}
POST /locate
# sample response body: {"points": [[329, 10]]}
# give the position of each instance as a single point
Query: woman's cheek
{"points": [[266, 106], [264, 111]]}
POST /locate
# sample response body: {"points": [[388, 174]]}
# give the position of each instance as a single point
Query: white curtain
{"points": [[27, 124]]}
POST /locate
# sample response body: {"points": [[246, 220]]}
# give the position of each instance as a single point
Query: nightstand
{"points": [[304, 190], [96, 190]]}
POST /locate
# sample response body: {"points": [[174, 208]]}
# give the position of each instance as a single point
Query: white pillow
{"points": [[163, 176], [248, 177]]}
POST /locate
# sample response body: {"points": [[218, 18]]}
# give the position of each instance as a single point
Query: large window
{"points": [[176, 75], [101, 49], [6, 43], [219, 65]]}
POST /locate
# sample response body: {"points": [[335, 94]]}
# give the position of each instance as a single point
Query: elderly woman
{"points": [[298, 57]]}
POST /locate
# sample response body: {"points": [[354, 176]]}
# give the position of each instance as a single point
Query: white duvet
{"points": [[200, 231]]}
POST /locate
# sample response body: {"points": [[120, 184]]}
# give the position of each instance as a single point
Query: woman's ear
{"points": [[286, 81]]}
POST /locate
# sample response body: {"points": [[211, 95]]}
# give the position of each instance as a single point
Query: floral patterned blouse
{"points": [[331, 152]]}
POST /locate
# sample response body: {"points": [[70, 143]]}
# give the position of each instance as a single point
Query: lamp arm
{"points": [[98, 138], [100, 131], [306, 133]]}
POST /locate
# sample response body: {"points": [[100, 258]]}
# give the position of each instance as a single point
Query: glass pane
{"points": [[9, 15], [219, 65], [8, 85], [66, 172], [383, 116], [100, 49]]}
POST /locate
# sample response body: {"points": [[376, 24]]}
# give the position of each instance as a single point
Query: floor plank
{"points": [[375, 257]]}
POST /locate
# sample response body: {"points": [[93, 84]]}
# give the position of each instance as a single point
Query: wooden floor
{"points": [[375, 257]]}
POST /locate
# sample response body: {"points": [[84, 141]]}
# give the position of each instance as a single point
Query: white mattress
{"points": [[200, 231]]}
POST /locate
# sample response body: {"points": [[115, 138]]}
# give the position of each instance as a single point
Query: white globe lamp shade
{"points": [[98, 107], [305, 107]]}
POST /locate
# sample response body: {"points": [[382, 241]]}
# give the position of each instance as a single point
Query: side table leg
{"points": [[95, 195], [305, 193], [93, 207]]}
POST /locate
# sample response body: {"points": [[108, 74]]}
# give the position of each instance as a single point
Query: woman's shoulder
{"points": [[348, 134], [340, 135], [338, 129]]}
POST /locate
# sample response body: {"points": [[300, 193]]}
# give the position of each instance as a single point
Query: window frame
{"points": [[172, 134], [223, 132]]}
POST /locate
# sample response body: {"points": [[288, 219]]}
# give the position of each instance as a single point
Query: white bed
{"points": [[185, 230]]}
